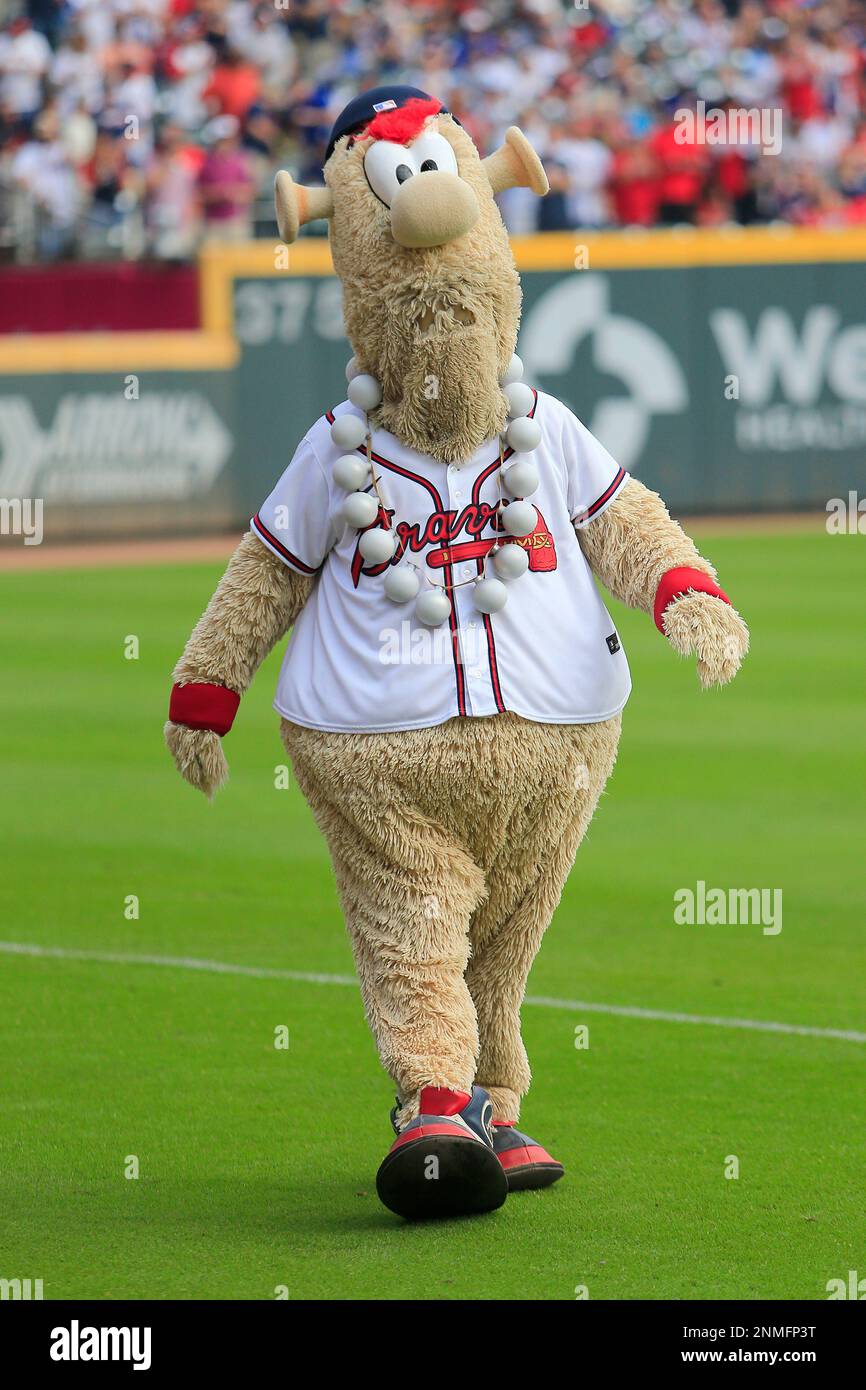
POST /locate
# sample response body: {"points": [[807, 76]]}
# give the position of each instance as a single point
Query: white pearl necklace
{"points": [[377, 544]]}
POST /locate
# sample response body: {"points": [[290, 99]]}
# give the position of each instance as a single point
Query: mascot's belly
{"points": [[479, 783]]}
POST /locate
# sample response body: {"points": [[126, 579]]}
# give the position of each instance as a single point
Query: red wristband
{"points": [[678, 582], [202, 706]]}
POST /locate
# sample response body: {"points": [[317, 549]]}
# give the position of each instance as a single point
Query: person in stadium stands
{"points": [[42, 170], [25, 57], [225, 183], [596, 91], [172, 206]]}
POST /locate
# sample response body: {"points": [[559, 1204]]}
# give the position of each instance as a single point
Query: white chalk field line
{"points": [[307, 977]]}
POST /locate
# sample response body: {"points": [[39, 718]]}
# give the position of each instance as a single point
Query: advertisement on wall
{"points": [[729, 387]]}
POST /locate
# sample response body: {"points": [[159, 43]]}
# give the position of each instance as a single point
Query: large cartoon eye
{"points": [[432, 151], [387, 166]]}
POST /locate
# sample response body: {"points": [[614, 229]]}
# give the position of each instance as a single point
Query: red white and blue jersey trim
{"points": [[275, 544]]}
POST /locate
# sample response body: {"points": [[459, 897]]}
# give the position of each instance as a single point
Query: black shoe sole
{"points": [[469, 1179], [534, 1175]]}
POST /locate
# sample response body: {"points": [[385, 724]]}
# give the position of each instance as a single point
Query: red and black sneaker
{"points": [[525, 1163], [443, 1164]]}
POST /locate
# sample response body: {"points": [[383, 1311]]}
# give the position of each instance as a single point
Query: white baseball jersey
{"points": [[358, 662]]}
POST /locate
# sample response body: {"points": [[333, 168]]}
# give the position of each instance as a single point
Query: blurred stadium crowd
{"points": [[133, 127]]}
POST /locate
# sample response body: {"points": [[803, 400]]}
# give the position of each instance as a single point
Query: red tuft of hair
{"points": [[403, 123]]}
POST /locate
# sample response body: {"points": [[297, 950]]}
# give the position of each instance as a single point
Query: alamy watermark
{"points": [[20, 1289], [729, 907], [408, 645], [736, 125], [846, 516], [853, 1287], [22, 516], [77, 1343]]}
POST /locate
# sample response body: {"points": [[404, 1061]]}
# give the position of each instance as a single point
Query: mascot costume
{"points": [[452, 689]]}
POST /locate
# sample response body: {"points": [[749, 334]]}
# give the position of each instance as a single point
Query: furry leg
{"points": [[408, 890], [526, 882]]}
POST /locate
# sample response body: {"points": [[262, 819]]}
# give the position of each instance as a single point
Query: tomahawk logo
{"points": [[168, 444], [76, 1343], [579, 307]]}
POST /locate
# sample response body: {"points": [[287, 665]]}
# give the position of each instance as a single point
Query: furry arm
{"points": [[632, 546], [254, 605]]}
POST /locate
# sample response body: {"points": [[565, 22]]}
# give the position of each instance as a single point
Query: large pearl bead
{"points": [[353, 368], [377, 546], [351, 472], [364, 392], [510, 561], [520, 397], [521, 478], [348, 432], [519, 518], [490, 595], [401, 583], [513, 372], [433, 607], [360, 509], [523, 435]]}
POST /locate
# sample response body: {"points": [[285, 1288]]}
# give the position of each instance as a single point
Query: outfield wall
{"points": [[728, 369]]}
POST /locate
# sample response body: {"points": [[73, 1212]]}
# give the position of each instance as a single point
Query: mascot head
{"points": [[431, 295]]}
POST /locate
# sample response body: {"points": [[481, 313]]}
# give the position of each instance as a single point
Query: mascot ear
{"points": [[297, 205], [515, 165]]}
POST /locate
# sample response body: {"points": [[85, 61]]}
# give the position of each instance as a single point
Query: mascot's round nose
{"points": [[432, 208]]}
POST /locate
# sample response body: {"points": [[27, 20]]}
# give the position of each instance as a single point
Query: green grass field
{"points": [[257, 1165]]}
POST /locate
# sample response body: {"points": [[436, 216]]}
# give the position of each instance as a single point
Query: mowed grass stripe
{"points": [[258, 972]]}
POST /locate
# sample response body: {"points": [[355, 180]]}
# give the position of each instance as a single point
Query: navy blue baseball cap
{"points": [[364, 108]]}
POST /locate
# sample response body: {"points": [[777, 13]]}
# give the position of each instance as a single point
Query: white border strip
{"points": [[541, 1001]]}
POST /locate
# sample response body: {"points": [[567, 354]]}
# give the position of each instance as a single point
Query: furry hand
{"points": [[198, 756], [713, 630]]}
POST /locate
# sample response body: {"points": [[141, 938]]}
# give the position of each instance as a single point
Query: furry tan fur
{"points": [[448, 881], [435, 326], [198, 756], [253, 606], [711, 630], [630, 546], [450, 844]]}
